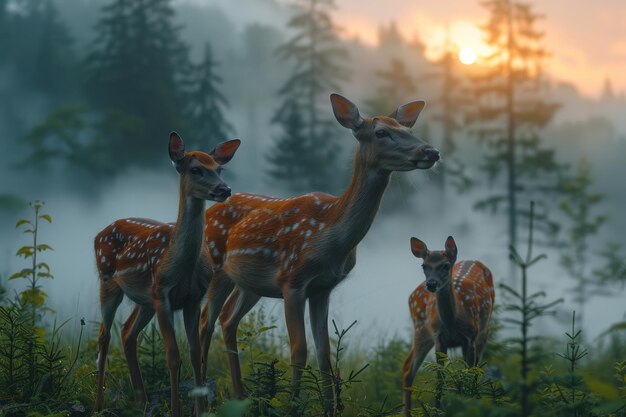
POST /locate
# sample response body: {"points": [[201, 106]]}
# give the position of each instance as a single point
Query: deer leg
{"points": [[139, 319], [111, 296], [165, 314], [294, 315], [422, 344], [191, 315], [237, 306], [318, 312], [481, 341], [219, 289], [470, 353]]}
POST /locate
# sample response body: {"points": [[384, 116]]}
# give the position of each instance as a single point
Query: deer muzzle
{"points": [[425, 157]]}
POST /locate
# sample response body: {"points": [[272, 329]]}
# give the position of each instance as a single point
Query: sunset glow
{"points": [[467, 56], [584, 58]]}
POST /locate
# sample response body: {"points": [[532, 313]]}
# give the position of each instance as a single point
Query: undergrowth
{"points": [[46, 373]]}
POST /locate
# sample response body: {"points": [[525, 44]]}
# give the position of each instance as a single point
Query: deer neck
{"points": [[187, 237], [357, 206], [446, 306]]}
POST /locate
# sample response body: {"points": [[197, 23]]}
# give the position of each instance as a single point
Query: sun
{"points": [[467, 56]]}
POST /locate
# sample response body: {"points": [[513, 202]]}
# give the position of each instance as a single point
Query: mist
{"points": [[377, 290]]}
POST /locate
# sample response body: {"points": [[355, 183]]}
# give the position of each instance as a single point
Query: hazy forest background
{"points": [[91, 89]]}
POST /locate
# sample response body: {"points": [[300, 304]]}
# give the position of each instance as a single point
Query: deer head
{"points": [[200, 171], [437, 265], [387, 141]]}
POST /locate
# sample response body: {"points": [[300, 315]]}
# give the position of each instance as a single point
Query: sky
{"points": [[587, 40]]}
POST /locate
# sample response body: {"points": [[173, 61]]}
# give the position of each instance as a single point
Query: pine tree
{"points": [[396, 86], [315, 52], [39, 46], [207, 102], [579, 208], [452, 103], [288, 166], [511, 112], [135, 75]]}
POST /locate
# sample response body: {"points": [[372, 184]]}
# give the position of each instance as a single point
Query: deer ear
{"points": [[418, 248], [346, 112], [176, 149], [225, 151], [451, 250], [407, 114]]}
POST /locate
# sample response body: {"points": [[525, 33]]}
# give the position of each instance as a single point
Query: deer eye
{"points": [[196, 171], [381, 133], [446, 268]]}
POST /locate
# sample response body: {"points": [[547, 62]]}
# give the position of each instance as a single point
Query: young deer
{"points": [[162, 268], [300, 248], [451, 308]]}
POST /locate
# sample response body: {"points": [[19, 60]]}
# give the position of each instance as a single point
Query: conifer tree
{"points": [[135, 74], [451, 104], [396, 86], [289, 165], [39, 46], [207, 102], [579, 207], [317, 57], [510, 110]]}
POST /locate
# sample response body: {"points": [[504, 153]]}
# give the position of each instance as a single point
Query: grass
{"points": [[44, 373]]}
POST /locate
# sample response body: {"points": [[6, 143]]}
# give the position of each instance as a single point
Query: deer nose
{"points": [[431, 285], [431, 153], [222, 190]]}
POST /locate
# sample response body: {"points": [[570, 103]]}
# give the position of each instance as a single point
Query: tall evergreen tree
{"points": [[395, 86], [288, 150], [207, 102], [451, 103], [135, 73], [317, 57], [38, 45], [579, 207], [511, 112]]}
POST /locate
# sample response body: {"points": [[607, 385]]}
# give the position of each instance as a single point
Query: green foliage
{"points": [[529, 308], [136, 70], [44, 373], [396, 87], [464, 391], [151, 355], [382, 381], [317, 58], [613, 271], [510, 112], [33, 296], [579, 208], [206, 102], [38, 46], [285, 157], [11, 202], [567, 395], [452, 103]]}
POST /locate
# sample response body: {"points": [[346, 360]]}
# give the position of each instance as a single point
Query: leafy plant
{"points": [[33, 296], [567, 394]]}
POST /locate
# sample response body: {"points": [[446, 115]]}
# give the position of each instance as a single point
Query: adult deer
{"points": [[300, 248], [451, 308], [162, 268]]}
